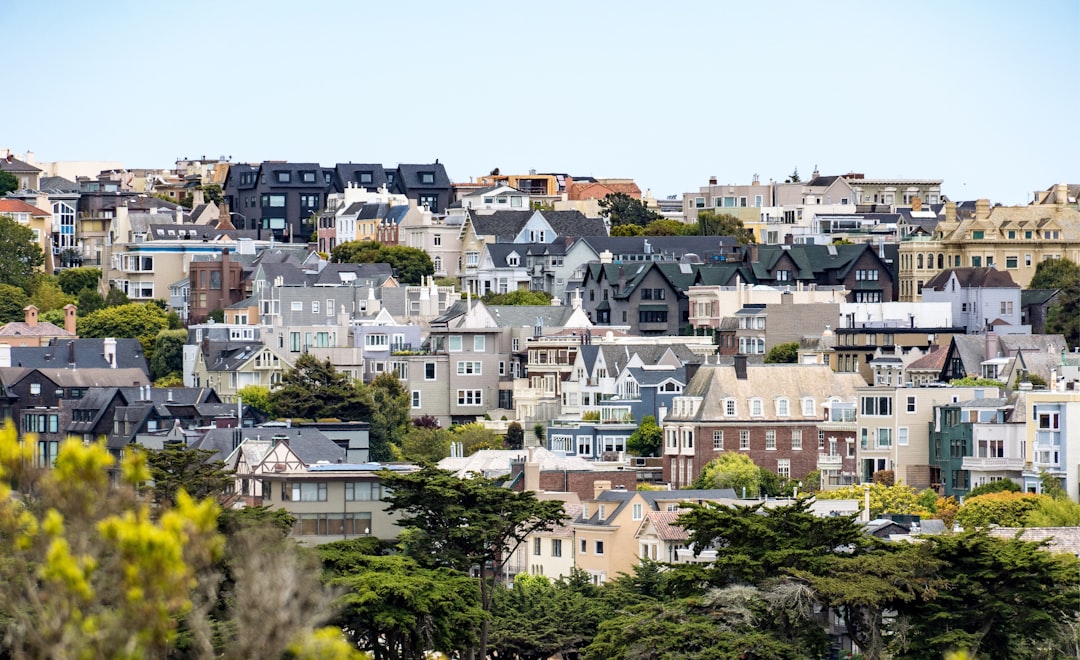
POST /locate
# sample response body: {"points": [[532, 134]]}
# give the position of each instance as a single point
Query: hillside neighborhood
{"points": [[855, 399]]}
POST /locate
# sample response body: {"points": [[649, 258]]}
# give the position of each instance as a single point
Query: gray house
{"points": [[979, 297]]}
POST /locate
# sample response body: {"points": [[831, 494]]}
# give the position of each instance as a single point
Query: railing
{"points": [[830, 461], [996, 463]]}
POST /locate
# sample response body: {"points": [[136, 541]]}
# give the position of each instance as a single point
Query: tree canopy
{"points": [[314, 389], [786, 353], [22, 254], [647, 439], [13, 300], [176, 467], [410, 265], [518, 297], [8, 183], [74, 281], [711, 223], [731, 470], [622, 209]]}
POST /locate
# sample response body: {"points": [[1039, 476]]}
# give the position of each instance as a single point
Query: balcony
{"points": [[830, 462], [978, 464]]}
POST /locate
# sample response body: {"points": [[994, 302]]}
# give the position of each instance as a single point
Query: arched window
{"points": [[940, 260], [920, 260], [438, 265]]}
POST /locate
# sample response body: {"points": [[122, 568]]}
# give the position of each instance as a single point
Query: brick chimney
{"points": [[70, 317], [982, 209], [31, 315]]}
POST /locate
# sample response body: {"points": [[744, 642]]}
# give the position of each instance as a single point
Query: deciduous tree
{"points": [[140, 321], [622, 209], [711, 223], [22, 255], [13, 300], [518, 297], [731, 470], [786, 353], [647, 439], [74, 281]]}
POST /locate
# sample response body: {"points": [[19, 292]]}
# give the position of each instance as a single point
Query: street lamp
{"points": [[259, 228]]}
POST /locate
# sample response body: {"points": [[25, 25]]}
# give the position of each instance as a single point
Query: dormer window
{"points": [[427, 178], [366, 177], [782, 409], [756, 408], [283, 177]]}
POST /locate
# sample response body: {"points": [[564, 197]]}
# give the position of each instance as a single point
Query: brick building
{"points": [[777, 414]]}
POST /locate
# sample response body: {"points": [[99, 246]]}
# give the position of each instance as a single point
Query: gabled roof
{"points": [[346, 173], [1037, 296], [57, 184], [932, 361], [496, 462], [409, 176], [665, 527], [574, 223], [972, 278], [88, 354], [503, 225], [13, 164], [10, 205]]}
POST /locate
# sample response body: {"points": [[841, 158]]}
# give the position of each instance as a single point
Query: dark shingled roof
{"points": [[973, 277]]}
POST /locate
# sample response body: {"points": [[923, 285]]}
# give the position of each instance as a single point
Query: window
{"points": [[718, 440], [652, 316], [416, 398], [770, 439], [283, 177], [556, 547], [977, 234], [729, 408], [362, 491], [431, 201], [878, 406], [796, 439], [636, 512], [699, 202], [808, 407], [1049, 421], [599, 547], [429, 371], [536, 546], [783, 468], [365, 177], [35, 389], [308, 492], [911, 404], [584, 543], [902, 436], [1007, 307], [744, 440], [478, 343], [472, 258], [470, 397], [1012, 262], [884, 437], [976, 262], [756, 408], [469, 368], [314, 306], [454, 344], [294, 342], [379, 340], [782, 407]]}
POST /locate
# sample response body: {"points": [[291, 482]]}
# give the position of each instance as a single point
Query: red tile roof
{"points": [[19, 206]]}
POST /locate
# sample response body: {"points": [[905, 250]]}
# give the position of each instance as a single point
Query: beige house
{"points": [[606, 534], [1013, 238], [333, 502], [551, 553]]}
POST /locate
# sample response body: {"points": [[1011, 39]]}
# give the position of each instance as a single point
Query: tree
{"points": [[731, 470], [622, 209], [898, 498], [422, 444], [999, 486], [515, 436], [258, 397], [539, 430], [8, 183], [142, 321], [518, 297], [475, 436], [168, 355], [971, 381], [465, 523], [389, 415], [212, 193], [1063, 317], [793, 177], [627, 230], [175, 468], [22, 254], [647, 439], [116, 298], [74, 281], [711, 223], [314, 389], [13, 300], [48, 296], [410, 265], [1005, 509], [786, 353], [1001, 598], [668, 227], [1055, 274]]}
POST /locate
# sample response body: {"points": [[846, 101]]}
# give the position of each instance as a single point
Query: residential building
{"points": [[757, 328], [439, 236], [979, 297], [24, 172], [31, 332], [333, 502], [37, 220], [1008, 358], [279, 198], [894, 423], [855, 349], [865, 271], [771, 412], [975, 442], [710, 304], [1012, 238], [645, 298], [494, 198]]}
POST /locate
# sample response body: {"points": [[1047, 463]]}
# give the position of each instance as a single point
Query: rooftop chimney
{"points": [[740, 367], [5, 355], [1061, 194], [110, 352], [712, 180], [599, 487], [70, 318], [31, 315], [532, 472], [982, 209]]}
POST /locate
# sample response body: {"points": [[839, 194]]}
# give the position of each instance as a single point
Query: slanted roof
{"points": [[1037, 296], [87, 354], [11, 205], [503, 225], [496, 462], [574, 223], [972, 278], [13, 164]]}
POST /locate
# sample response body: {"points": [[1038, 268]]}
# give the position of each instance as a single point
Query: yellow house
{"points": [[1013, 238], [38, 220]]}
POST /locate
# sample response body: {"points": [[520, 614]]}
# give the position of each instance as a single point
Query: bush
{"points": [[1000, 486]]}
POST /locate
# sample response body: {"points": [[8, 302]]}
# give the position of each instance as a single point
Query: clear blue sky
{"points": [[985, 95]]}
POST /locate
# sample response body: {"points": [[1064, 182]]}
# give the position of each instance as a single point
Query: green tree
{"points": [[970, 381], [1005, 509], [711, 223], [423, 444], [731, 470], [518, 297], [22, 254], [1054, 512], [647, 439], [89, 301], [793, 177], [539, 430], [898, 498], [999, 486], [13, 300], [515, 436], [465, 523], [314, 389], [786, 353], [142, 321], [475, 436], [175, 468], [1055, 274], [1002, 598], [116, 298], [410, 265], [1063, 317], [48, 296], [389, 415], [627, 230], [8, 183], [396, 609], [212, 193], [168, 355], [74, 281], [622, 209], [668, 227], [258, 397]]}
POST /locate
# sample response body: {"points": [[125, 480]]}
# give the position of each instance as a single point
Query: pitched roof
{"points": [[664, 524], [503, 225], [973, 277], [13, 164], [496, 462], [9, 205], [932, 361], [87, 354], [1037, 296], [516, 316], [574, 223]]}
